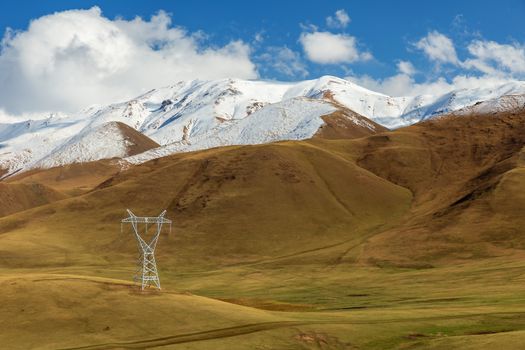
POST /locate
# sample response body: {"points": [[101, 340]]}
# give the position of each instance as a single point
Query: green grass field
{"points": [[265, 306]]}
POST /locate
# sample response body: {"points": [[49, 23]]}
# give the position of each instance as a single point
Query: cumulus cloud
{"points": [[284, 61], [438, 47], [396, 85], [486, 57], [406, 67], [71, 59], [339, 20], [488, 63], [329, 48], [400, 84], [491, 57], [404, 85], [494, 64]]}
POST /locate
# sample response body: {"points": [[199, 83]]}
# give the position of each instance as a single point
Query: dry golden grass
{"points": [[72, 179], [17, 197], [407, 239]]}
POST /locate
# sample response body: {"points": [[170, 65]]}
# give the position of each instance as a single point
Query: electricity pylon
{"points": [[146, 265]]}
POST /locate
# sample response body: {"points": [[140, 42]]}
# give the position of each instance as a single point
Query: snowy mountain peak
{"points": [[506, 103], [197, 114], [110, 140]]}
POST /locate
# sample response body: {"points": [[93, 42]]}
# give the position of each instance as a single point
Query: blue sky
{"points": [[372, 42]]}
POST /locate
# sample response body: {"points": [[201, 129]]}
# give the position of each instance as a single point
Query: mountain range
{"points": [[373, 223], [196, 115]]}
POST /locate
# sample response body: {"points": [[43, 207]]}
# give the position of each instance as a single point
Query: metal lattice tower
{"points": [[146, 265]]}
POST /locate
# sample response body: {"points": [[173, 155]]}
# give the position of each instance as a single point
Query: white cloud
{"points": [[329, 48], [397, 85], [493, 58], [71, 59], [489, 58], [405, 85], [438, 47], [259, 37], [339, 20], [285, 61], [400, 84], [406, 67], [488, 64]]}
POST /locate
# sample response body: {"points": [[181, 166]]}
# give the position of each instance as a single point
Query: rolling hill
{"points": [[415, 232]]}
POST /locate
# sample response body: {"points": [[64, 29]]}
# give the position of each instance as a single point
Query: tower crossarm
{"points": [[148, 220]]}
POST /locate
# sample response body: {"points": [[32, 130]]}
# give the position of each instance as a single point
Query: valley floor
{"points": [[263, 306]]}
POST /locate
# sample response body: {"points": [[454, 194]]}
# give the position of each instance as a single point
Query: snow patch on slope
{"points": [[293, 119], [200, 114], [21, 143], [103, 142], [507, 103], [461, 99]]}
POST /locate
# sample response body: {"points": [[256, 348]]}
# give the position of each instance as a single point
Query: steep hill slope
{"points": [[346, 124], [436, 176], [254, 202], [465, 174], [109, 140]]}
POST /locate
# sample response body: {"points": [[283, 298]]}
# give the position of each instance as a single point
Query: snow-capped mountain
{"points": [[463, 99], [293, 119], [192, 115], [495, 105], [109, 140]]}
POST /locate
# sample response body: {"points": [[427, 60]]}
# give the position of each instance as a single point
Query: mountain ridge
{"points": [[198, 114]]}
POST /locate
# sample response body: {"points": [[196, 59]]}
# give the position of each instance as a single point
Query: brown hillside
{"points": [[257, 202], [73, 179], [19, 197], [465, 174], [408, 239], [252, 202], [78, 178], [346, 124], [138, 142]]}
